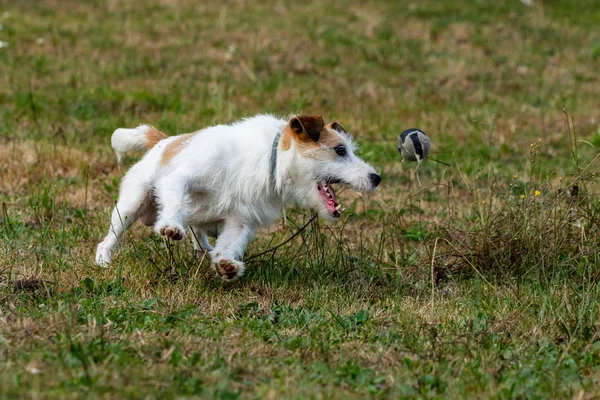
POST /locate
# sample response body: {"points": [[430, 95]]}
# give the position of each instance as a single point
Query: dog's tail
{"points": [[142, 138]]}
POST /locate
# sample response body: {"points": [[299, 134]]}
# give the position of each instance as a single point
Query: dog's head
{"points": [[323, 155]]}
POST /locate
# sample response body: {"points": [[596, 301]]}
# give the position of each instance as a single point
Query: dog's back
{"points": [[231, 167], [230, 164]]}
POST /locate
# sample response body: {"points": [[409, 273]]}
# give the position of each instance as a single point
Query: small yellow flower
{"points": [[537, 193], [514, 177], [482, 201], [531, 145], [522, 196]]}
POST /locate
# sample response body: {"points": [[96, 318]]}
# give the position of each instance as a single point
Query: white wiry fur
{"points": [[220, 184], [124, 140]]}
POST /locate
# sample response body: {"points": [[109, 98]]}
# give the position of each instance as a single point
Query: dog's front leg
{"points": [[171, 194], [230, 247]]}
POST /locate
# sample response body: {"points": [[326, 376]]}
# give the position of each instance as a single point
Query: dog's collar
{"points": [[274, 157]]}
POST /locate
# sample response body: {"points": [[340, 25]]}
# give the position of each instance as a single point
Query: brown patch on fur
{"points": [[286, 140], [336, 127], [328, 138], [154, 136], [148, 211], [174, 148], [302, 129], [307, 128]]}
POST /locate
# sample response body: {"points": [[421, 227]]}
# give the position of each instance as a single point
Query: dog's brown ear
{"points": [[305, 125], [336, 127]]}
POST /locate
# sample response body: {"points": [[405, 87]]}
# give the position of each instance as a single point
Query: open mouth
{"points": [[329, 199]]}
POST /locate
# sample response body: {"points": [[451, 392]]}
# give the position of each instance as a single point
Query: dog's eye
{"points": [[340, 150]]}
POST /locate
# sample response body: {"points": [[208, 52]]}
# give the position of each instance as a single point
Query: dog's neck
{"points": [[278, 173], [281, 176]]}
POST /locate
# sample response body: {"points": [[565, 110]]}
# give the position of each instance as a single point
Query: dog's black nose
{"points": [[375, 180]]}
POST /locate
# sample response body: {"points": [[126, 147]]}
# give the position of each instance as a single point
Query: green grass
{"points": [[468, 286]]}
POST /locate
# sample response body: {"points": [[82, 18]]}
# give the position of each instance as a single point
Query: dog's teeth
{"points": [[338, 207]]}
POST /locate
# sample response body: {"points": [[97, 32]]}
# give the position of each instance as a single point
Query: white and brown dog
{"points": [[228, 180]]}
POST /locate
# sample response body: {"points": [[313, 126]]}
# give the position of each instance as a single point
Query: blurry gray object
{"points": [[414, 145]]}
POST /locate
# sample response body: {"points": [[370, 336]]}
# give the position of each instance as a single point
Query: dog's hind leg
{"points": [[199, 238], [133, 194]]}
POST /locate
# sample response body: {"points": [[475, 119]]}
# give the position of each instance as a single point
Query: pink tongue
{"points": [[331, 203]]}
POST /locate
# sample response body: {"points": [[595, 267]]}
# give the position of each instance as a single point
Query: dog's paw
{"points": [[228, 270], [102, 256], [172, 231]]}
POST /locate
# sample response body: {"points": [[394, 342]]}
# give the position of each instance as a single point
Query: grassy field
{"points": [[481, 282]]}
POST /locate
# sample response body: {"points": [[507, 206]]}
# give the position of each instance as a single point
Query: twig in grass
{"points": [[468, 262], [200, 263], [432, 273], [440, 162], [6, 218], [572, 137], [281, 244], [203, 253], [459, 254], [87, 181], [465, 180]]}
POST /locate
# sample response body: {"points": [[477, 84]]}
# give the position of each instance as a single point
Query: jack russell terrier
{"points": [[227, 181]]}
